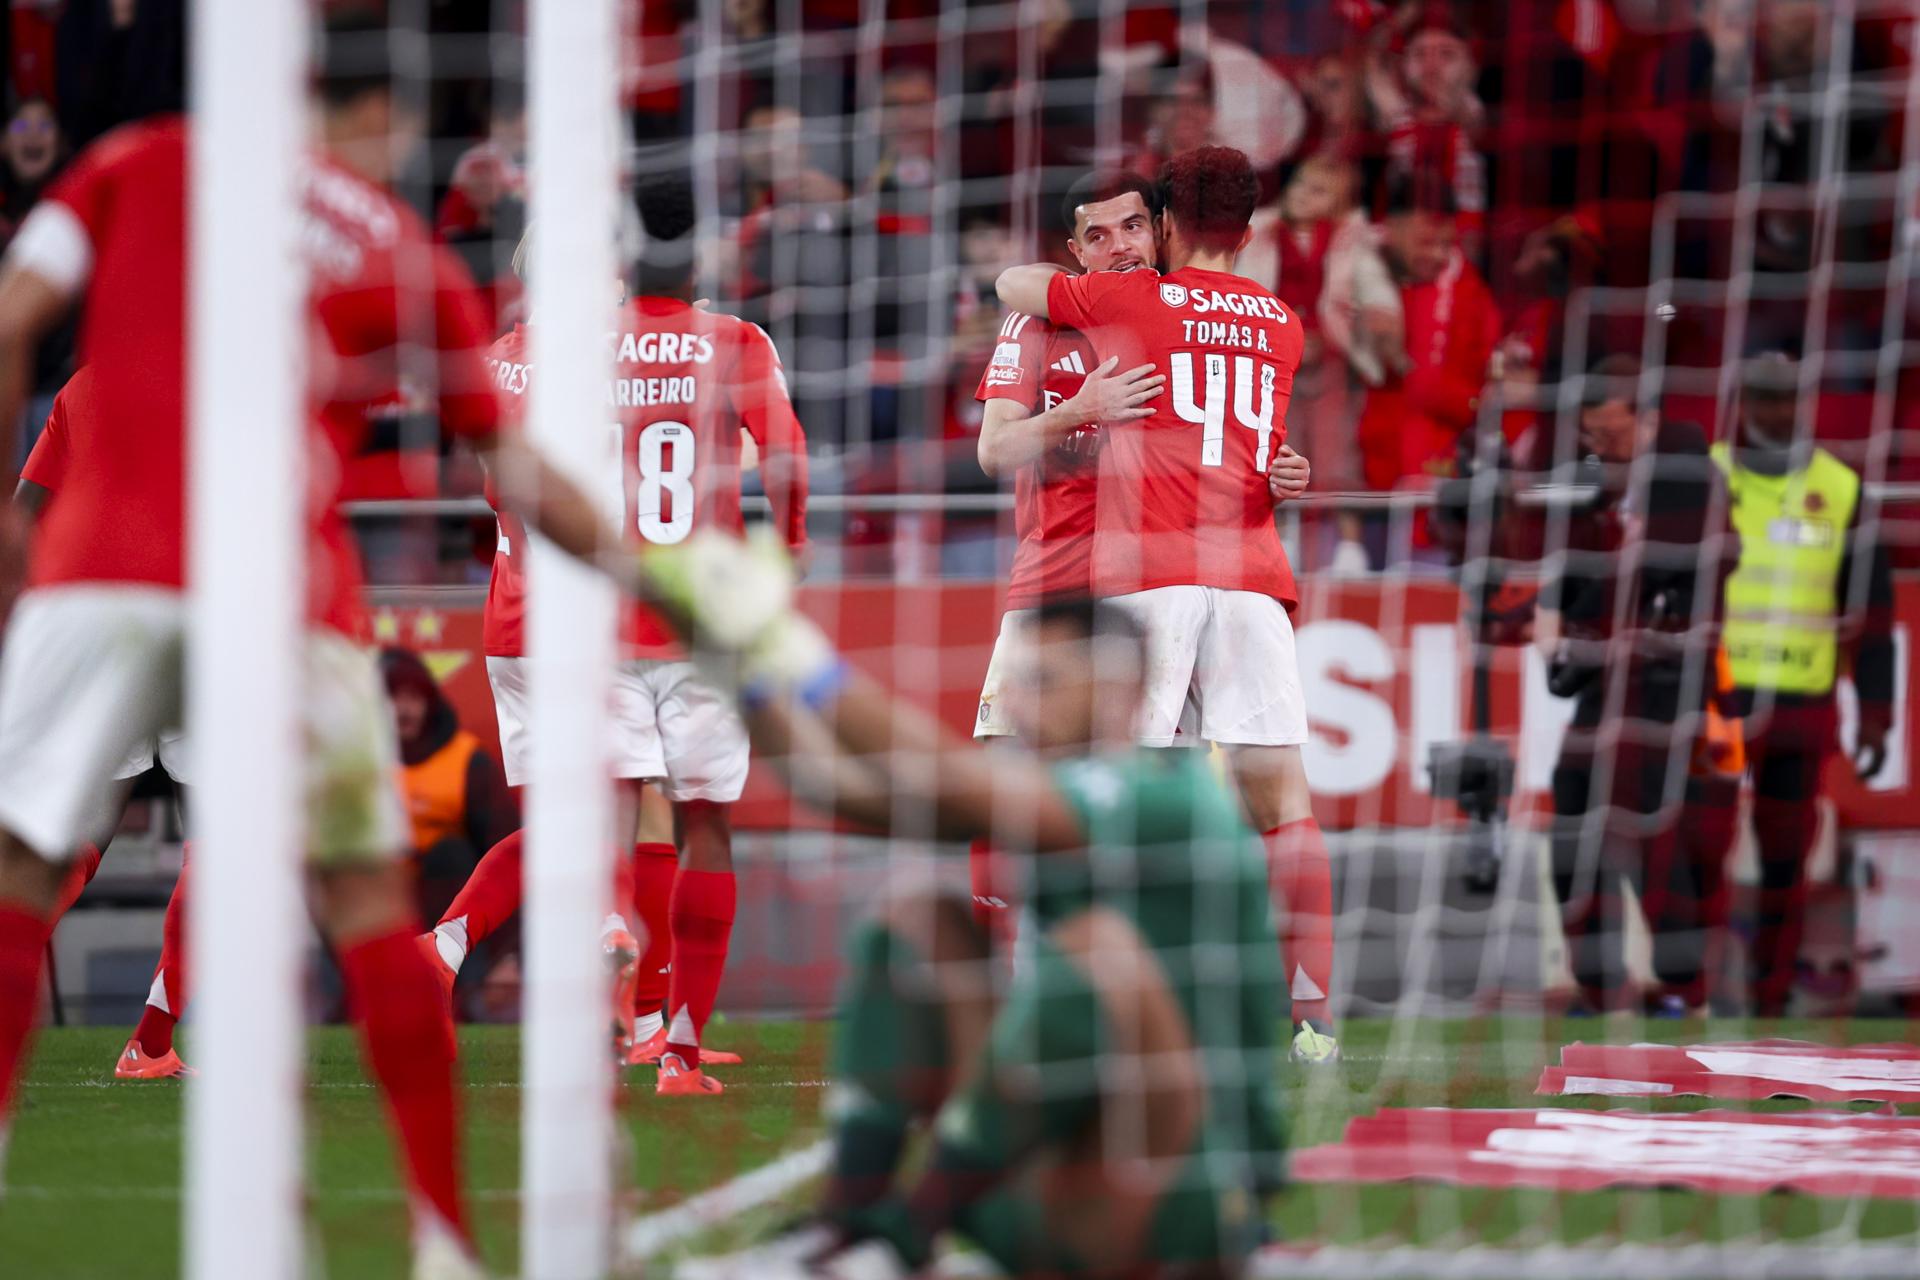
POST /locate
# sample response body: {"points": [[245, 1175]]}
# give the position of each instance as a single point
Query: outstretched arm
{"points": [[731, 601], [1025, 288], [553, 506], [882, 753]]}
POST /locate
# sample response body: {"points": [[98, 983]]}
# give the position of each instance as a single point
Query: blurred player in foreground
{"points": [[1185, 539], [1114, 1114], [686, 382], [149, 1054], [94, 653]]}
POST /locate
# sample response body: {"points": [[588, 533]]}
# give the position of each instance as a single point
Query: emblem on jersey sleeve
{"points": [[1005, 370], [1174, 295]]}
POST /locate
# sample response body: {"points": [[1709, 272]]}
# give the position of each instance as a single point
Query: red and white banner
{"points": [[1385, 665], [1744, 1070], [1713, 1151]]}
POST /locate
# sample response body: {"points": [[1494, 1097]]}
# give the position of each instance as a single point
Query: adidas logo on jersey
{"points": [[1070, 363]]}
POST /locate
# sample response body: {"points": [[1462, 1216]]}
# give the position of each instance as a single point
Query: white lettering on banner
{"points": [[1644, 1147], [1839, 1074], [1355, 742], [1543, 723]]}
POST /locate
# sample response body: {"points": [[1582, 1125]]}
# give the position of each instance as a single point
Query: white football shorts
{"points": [[668, 725], [1221, 667], [993, 721], [91, 673], [168, 748]]}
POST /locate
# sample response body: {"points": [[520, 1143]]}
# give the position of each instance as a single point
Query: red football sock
{"points": [[701, 922], [1301, 879], [488, 899], [655, 867], [167, 999], [23, 945], [407, 1036], [85, 864]]}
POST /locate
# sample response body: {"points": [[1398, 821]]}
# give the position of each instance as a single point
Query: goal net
{"points": [[1590, 862]]}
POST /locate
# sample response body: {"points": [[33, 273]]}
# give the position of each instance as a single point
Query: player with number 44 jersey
{"points": [[1184, 535]]}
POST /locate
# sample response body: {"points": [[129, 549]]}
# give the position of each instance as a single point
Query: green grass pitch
{"points": [[94, 1172]]}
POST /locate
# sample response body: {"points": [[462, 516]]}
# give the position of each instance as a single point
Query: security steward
{"points": [[1811, 595]]}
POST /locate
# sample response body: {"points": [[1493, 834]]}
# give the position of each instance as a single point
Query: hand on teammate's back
{"points": [[1289, 475], [1107, 396]]}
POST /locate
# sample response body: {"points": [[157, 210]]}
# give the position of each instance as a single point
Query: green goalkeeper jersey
{"points": [[1167, 847]]}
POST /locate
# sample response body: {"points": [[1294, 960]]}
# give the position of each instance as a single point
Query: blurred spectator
{"points": [[987, 248], [907, 135], [118, 60], [456, 793], [1412, 423], [785, 196], [1180, 118], [1336, 102], [1329, 270], [488, 192], [34, 149], [31, 36], [1423, 96]]}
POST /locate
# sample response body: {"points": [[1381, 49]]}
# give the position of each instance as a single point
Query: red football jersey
{"points": [[685, 382], [1183, 493], [46, 465], [116, 221], [1039, 365]]}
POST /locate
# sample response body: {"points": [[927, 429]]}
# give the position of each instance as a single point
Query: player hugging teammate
{"points": [[1150, 610], [1175, 525]]}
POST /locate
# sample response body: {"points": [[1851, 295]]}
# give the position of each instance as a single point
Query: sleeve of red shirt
{"points": [[1071, 299], [86, 185], [759, 391], [1019, 364], [47, 464], [468, 405]]}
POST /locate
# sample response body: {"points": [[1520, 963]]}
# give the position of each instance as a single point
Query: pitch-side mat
{"points": [[1740, 1070], [1712, 1151]]}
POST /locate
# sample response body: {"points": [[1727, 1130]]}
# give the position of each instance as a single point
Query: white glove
{"points": [[738, 597]]}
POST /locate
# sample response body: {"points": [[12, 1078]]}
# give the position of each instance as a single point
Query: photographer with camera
{"points": [[1628, 622]]}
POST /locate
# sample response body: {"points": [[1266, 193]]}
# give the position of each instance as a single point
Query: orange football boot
{"points": [[677, 1079], [134, 1064]]}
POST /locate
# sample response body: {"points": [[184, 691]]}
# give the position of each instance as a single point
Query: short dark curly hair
{"points": [[1211, 193]]}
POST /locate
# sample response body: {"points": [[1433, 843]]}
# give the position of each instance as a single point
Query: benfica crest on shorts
{"points": [[1174, 295]]}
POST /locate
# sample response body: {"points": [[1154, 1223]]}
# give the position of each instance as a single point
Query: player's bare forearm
{"points": [[1010, 438], [803, 750], [554, 507], [1025, 288], [29, 306], [973, 793], [1009, 441]]}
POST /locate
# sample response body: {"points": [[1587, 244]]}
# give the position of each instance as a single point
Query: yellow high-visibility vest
{"points": [[1783, 601]]}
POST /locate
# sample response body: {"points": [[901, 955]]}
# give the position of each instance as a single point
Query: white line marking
{"points": [[658, 1231]]}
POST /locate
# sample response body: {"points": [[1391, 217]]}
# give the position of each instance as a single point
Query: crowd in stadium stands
{"points": [[1449, 183]]}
